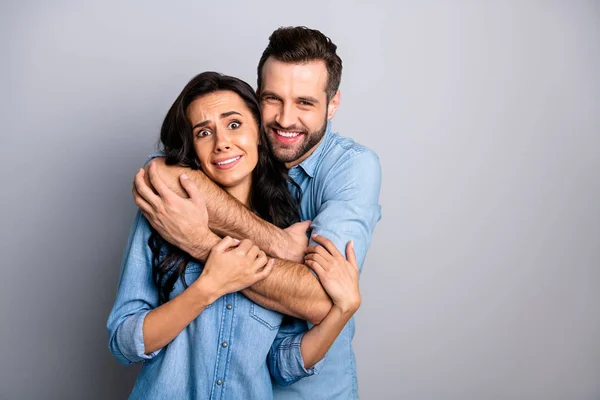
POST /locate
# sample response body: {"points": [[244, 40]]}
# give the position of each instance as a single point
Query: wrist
{"points": [[206, 292], [348, 308], [200, 245]]}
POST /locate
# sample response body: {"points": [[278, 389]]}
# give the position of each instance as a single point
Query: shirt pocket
{"points": [[270, 319]]}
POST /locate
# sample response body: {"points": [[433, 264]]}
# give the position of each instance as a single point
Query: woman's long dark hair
{"points": [[270, 197]]}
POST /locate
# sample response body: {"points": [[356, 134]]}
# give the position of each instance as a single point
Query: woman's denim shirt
{"points": [[235, 349]]}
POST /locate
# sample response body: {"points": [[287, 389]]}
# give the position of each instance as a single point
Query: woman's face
{"points": [[226, 140]]}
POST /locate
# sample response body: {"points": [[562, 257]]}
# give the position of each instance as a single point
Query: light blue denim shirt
{"points": [[340, 184], [235, 349]]}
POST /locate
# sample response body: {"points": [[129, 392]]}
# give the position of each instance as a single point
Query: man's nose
{"points": [[287, 116]]}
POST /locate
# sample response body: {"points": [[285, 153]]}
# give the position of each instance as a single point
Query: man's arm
{"points": [[290, 288], [227, 216], [349, 208]]}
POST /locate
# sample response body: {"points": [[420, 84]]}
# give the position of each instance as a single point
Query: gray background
{"points": [[483, 278]]}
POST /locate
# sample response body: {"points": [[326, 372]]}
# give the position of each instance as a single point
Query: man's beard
{"points": [[285, 154]]}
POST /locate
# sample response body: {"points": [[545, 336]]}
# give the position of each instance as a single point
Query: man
{"points": [[298, 79]]}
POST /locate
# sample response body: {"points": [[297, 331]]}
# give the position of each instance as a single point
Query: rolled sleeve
{"points": [[350, 205], [285, 361], [129, 339], [136, 297]]}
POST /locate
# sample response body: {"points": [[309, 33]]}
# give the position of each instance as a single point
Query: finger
{"points": [[145, 208], [245, 245], [253, 253], [350, 255], [315, 266], [144, 190], [328, 244], [224, 244], [262, 274], [305, 224], [190, 187], [260, 261], [319, 259], [158, 182], [319, 250]]}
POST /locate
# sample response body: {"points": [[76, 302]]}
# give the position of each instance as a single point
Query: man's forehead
{"points": [[279, 75]]}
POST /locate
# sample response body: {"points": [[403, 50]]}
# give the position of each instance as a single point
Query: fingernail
{"points": [[272, 261], [352, 243], [314, 235], [184, 176], [236, 240]]}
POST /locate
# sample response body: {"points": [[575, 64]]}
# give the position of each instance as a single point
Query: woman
{"points": [[198, 337]]}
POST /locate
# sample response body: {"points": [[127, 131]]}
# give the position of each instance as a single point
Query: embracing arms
{"points": [[291, 288]]}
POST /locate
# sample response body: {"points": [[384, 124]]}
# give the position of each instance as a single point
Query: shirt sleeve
{"points": [[136, 296], [349, 208], [285, 359], [159, 153]]}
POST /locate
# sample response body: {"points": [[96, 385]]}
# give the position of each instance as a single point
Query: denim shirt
{"points": [[340, 183], [235, 349]]}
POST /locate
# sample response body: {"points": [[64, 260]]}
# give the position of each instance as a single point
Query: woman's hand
{"points": [[232, 266], [338, 276]]}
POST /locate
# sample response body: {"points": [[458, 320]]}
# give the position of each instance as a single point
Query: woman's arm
{"points": [[296, 353], [339, 277], [231, 266]]}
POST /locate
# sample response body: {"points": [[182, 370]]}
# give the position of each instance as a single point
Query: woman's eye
{"points": [[203, 133], [234, 125]]}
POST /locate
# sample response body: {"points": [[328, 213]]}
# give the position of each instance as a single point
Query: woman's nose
{"points": [[223, 143]]}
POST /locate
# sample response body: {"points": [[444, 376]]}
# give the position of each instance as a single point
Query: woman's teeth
{"points": [[228, 161]]}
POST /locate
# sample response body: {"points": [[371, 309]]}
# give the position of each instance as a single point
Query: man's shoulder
{"points": [[344, 152]]}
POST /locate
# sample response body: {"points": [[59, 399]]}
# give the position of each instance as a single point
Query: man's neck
{"points": [[304, 156]]}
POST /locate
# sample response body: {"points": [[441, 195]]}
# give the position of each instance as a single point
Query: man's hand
{"points": [[296, 243], [180, 221]]}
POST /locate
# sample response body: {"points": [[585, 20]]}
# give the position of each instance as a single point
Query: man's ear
{"points": [[334, 103]]}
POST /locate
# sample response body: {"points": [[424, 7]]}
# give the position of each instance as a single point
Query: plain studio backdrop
{"points": [[483, 279]]}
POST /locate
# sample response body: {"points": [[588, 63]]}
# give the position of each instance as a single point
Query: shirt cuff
{"points": [[291, 364], [130, 338]]}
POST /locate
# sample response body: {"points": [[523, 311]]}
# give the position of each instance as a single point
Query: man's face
{"points": [[295, 108]]}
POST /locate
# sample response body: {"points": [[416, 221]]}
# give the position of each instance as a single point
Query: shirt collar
{"points": [[310, 164]]}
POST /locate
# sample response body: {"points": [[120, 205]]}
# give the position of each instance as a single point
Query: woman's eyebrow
{"points": [[228, 113], [224, 115]]}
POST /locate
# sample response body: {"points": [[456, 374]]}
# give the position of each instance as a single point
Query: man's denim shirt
{"points": [[232, 350], [340, 183]]}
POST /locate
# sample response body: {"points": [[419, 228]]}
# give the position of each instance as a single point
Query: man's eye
{"points": [[234, 125], [305, 103], [203, 133]]}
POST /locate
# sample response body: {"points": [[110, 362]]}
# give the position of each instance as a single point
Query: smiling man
{"points": [[337, 181]]}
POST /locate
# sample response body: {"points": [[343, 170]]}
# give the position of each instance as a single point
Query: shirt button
{"points": [[224, 344], [219, 382], [229, 306]]}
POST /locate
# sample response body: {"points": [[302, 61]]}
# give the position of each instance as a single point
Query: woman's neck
{"points": [[242, 193]]}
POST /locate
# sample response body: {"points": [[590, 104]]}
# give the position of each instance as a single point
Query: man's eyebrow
{"points": [[268, 93], [308, 99], [224, 115]]}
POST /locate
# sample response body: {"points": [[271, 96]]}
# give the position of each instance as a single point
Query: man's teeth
{"points": [[288, 134], [228, 161]]}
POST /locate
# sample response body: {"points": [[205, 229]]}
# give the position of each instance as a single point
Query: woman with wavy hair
{"points": [[195, 334]]}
